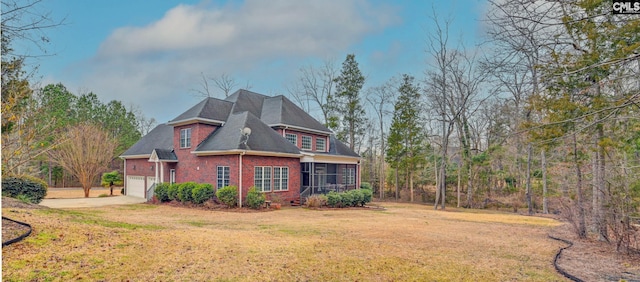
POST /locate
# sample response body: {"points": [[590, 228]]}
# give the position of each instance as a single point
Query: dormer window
{"points": [[185, 138]]}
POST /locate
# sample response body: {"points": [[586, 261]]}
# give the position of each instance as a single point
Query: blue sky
{"points": [[150, 54]]}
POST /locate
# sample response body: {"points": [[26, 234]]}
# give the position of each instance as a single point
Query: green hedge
{"points": [[185, 191], [351, 198], [27, 187], [202, 193], [228, 195], [255, 199], [172, 192], [162, 192]]}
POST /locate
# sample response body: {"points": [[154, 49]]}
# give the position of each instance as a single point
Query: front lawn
{"points": [[164, 243]]}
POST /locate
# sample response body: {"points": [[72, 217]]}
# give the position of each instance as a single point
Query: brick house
{"points": [[247, 139]]}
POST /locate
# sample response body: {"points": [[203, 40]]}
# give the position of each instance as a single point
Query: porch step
{"points": [[296, 202]]}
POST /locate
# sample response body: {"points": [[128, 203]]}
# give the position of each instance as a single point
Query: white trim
{"points": [[244, 152], [301, 129], [330, 159], [142, 156], [200, 120]]}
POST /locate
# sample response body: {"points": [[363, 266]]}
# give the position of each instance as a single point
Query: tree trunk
{"points": [[602, 230], [545, 204], [529, 203], [397, 183], [582, 229], [458, 188]]}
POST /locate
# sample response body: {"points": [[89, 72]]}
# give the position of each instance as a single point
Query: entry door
{"points": [[321, 178]]}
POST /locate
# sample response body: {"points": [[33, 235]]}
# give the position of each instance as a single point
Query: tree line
{"points": [[544, 116]]}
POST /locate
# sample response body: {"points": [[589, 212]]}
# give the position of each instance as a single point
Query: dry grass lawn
{"points": [[404, 242]]}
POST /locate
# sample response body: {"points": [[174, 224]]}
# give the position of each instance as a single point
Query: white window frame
{"points": [[348, 176], [324, 144], [306, 137], [280, 178], [293, 138], [172, 175], [262, 178], [185, 138], [222, 181]]}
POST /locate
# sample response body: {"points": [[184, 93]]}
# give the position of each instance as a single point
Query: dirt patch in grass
{"points": [[591, 260], [70, 193]]}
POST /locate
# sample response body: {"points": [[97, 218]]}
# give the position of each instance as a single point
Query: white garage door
{"points": [[135, 186]]}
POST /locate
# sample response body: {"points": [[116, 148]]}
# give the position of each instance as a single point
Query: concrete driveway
{"points": [[90, 202]]}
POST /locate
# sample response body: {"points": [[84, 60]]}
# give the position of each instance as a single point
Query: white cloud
{"points": [[154, 65]]}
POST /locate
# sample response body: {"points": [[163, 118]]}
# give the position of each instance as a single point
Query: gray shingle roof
{"points": [[336, 147], [161, 137], [262, 137], [244, 100], [279, 110], [166, 154], [242, 109], [209, 108]]}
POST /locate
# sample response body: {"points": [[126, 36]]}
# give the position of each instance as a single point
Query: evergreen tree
{"points": [[349, 117], [406, 149]]}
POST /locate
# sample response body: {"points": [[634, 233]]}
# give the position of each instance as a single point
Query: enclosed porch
{"points": [[322, 178]]}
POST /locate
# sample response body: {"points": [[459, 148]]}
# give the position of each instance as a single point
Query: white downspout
{"points": [[126, 191], [161, 173], [240, 180]]}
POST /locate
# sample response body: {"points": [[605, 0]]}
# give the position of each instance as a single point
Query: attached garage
{"points": [[135, 186]]}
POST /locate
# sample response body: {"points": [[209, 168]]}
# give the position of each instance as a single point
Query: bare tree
{"points": [[380, 98], [313, 88], [223, 82], [85, 152]]}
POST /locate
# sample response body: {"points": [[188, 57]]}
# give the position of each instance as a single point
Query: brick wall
{"points": [[140, 167], [204, 170]]}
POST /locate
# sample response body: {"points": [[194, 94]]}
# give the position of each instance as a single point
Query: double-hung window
{"points": [[262, 178], [223, 177], [320, 144], [280, 178], [306, 142], [292, 138], [349, 176], [185, 138]]}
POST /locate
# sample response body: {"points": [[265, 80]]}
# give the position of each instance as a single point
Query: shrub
{"points": [[32, 188], [228, 195], [202, 192], [334, 199], [172, 192], [162, 192], [255, 199], [365, 185], [347, 199], [185, 191], [109, 177], [357, 197], [367, 196], [316, 201]]}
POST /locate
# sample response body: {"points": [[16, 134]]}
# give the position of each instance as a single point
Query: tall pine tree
{"points": [[349, 118], [406, 149]]}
